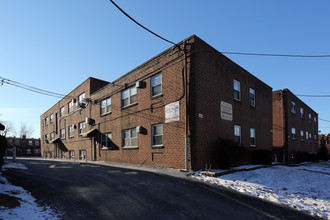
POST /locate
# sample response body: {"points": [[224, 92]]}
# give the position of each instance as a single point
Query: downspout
{"points": [[286, 129], [186, 108]]}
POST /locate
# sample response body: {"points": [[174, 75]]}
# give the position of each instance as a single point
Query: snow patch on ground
{"points": [[304, 187], [28, 208]]}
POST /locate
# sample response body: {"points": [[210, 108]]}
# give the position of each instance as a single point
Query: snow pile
{"points": [[304, 187], [28, 209]]}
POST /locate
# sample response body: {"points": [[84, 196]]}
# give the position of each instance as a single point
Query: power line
{"points": [[277, 55], [324, 120], [30, 88], [127, 15], [224, 52], [315, 96]]}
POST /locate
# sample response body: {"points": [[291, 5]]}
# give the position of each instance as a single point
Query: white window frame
{"points": [[237, 90], [293, 107], [62, 133], [252, 97], [129, 96], [52, 136], [30, 143], [293, 133], [155, 85], [81, 127], [307, 135], [301, 112], [238, 134], [62, 109], [81, 97], [51, 118], [70, 106], [46, 121], [253, 136], [82, 154], [129, 138], [154, 135], [106, 140], [105, 106], [71, 131]]}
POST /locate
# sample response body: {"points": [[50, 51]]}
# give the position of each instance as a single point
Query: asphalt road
{"points": [[92, 191]]}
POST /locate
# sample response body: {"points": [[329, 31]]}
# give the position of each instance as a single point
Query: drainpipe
{"points": [[186, 108]]}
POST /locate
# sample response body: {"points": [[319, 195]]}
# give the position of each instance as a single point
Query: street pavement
{"points": [[102, 191]]}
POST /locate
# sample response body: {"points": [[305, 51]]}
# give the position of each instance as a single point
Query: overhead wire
{"points": [[32, 89]]}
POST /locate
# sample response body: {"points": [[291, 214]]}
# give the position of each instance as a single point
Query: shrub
{"points": [[228, 154], [3, 147], [261, 157]]}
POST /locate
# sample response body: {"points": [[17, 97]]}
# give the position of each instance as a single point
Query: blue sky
{"points": [[56, 45]]}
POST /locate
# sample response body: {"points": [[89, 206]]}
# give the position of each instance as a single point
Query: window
{"points": [[70, 130], [128, 96], [302, 135], [81, 129], [310, 137], [293, 107], [307, 135], [10, 141], [301, 112], [156, 84], [82, 154], [315, 138], [130, 138], [157, 135], [106, 106], [315, 120], [293, 133], [37, 151], [46, 121], [52, 136], [28, 151], [30, 143], [81, 98], [237, 133], [107, 141], [252, 97], [17, 141], [237, 90], [310, 117], [51, 118], [252, 137], [62, 111], [71, 153], [70, 107], [36, 143], [63, 133]]}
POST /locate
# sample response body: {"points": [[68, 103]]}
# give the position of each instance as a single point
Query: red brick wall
{"points": [[213, 75]]}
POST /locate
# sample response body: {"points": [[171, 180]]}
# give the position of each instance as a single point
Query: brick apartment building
{"points": [[167, 112], [327, 141], [295, 126], [24, 146]]}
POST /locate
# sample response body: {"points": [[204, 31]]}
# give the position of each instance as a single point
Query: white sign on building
{"points": [[226, 111], [172, 112]]}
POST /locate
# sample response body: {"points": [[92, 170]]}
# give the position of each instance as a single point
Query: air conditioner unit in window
{"points": [[139, 129], [89, 121], [140, 84], [80, 104]]}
